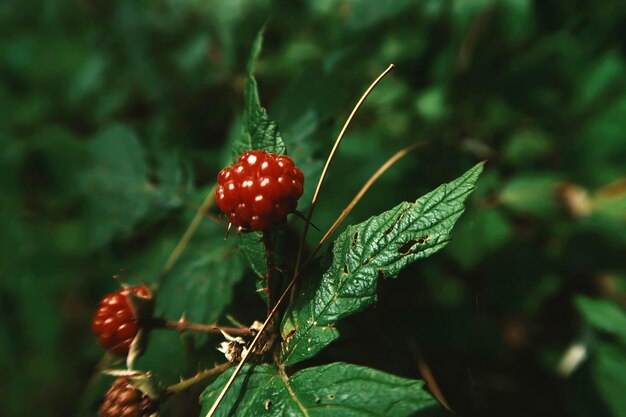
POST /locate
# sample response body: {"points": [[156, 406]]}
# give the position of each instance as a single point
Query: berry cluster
{"points": [[124, 400], [259, 190], [115, 323]]}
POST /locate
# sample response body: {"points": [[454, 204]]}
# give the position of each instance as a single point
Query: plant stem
{"points": [[199, 377], [182, 325], [270, 267]]}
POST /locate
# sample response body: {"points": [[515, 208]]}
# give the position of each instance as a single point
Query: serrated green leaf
{"points": [[338, 390], [258, 131], [116, 187], [603, 315], [379, 247]]}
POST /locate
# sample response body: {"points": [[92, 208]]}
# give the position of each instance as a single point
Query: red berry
{"points": [[114, 322], [124, 400], [260, 190]]}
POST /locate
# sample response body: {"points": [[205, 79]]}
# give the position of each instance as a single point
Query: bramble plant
{"points": [[306, 296]]}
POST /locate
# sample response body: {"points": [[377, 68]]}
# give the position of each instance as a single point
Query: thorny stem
{"points": [[199, 377], [289, 287], [183, 325]]}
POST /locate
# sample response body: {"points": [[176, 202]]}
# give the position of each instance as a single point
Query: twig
{"points": [[401, 153], [183, 325], [199, 377], [250, 348], [329, 160], [427, 374], [270, 316]]}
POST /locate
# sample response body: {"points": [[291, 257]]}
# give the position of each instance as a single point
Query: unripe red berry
{"points": [[124, 400], [259, 190], [115, 323]]}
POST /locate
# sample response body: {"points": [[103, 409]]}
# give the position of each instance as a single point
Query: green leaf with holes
{"points": [[257, 130], [377, 248], [338, 390]]}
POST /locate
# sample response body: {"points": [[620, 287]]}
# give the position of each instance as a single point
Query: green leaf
{"points": [[251, 246], [364, 13], [602, 78], [201, 283], [116, 187], [379, 247], [603, 315], [531, 194], [526, 147], [258, 131], [608, 369], [517, 19], [431, 103], [338, 390]]}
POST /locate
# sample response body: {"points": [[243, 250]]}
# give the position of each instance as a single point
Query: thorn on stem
{"points": [[228, 230]]}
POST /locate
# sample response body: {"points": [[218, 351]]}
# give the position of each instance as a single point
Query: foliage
{"points": [[328, 390], [117, 116], [380, 247]]}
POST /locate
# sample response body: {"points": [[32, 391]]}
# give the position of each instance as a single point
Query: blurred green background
{"points": [[114, 121]]}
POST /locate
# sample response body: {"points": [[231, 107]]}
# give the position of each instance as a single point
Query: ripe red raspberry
{"points": [[115, 323], [259, 190], [124, 400]]}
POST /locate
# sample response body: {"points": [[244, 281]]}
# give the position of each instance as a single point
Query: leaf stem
{"points": [[183, 325], [199, 377]]}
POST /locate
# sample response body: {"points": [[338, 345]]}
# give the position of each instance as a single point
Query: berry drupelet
{"points": [[115, 323], [124, 400], [259, 190]]}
